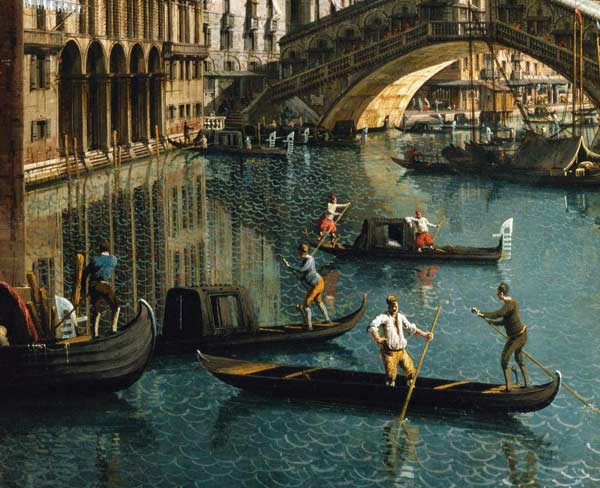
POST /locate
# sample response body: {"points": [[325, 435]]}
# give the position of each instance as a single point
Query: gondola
{"points": [[217, 150], [221, 317], [421, 165], [422, 127], [393, 238], [81, 364], [363, 388]]}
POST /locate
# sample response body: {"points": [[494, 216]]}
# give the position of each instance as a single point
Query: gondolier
{"points": [[393, 344], [515, 330], [314, 283], [422, 236], [326, 222], [100, 271]]}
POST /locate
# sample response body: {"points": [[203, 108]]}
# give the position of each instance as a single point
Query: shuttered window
{"points": [[40, 129]]}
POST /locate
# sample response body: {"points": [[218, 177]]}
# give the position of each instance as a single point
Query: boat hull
{"points": [[424, 167], [266, 336], [368, 389], [108, 363]]}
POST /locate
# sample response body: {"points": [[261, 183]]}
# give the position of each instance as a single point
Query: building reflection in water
{"points": [[163, 229]]}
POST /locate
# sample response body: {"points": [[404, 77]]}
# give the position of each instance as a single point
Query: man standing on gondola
{"points": [[422, 236], [393, 343], [515, 330], [100, 271], [326, 222], [314, 283]]}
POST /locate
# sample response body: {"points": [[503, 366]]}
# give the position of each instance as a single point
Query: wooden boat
{"points": [[424, 127], [394, 239], [363, 388], [382, 128], [104, 364], [222, 317], [421, 164]]}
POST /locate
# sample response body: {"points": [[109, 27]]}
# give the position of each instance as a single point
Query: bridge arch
{"points": [[386, 87]]}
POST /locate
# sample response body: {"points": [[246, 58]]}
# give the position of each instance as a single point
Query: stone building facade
{"points": [[119, 68]]}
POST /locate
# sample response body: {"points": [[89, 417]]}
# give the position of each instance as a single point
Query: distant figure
{"points": [[248, 143], [326, 222], [489, 134], [422, 236], [186, 132], [393, 344], [203, 141], [100, 271], [314, 285], [515, 330]]}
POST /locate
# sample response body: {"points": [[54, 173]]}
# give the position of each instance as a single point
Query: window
{"points": [[171, 111], [188, 110], [40, 18], [229, 66], [226, 312], [197, 110], [40, 129], [39, 76], [269, 43], [226, 39], [206, 34], [181, 111], [197, 74], [184, 208], [182, 70], [226, 6], [172, 70]]}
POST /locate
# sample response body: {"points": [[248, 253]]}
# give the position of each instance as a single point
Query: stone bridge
{"points": [[366, 78]]}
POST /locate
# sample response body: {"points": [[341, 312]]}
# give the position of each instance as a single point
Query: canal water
{"points": [[185, 220]]}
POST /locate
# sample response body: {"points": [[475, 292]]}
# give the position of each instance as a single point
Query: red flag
{"points": [[579, 16]]}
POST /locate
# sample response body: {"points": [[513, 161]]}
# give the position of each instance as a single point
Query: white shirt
{"points": [[421, 224], [332, 210], [393, 332]]}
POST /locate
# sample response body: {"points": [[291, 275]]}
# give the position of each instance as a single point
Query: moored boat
{"points": [[364, 388], [393, 238], [420, 164], [81, 364], [222, 317]]}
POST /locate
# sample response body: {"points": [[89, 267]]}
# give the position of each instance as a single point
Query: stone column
{"points": [[149, 131], [82, 85], [12, 187]]}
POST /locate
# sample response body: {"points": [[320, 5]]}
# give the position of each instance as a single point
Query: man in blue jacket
{"points": [[100, 271]]}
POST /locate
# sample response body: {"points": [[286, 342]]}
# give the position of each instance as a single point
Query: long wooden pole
{"points": [[437, 229], [327, 233], [574, 94], [421, 359], [548, 372]]}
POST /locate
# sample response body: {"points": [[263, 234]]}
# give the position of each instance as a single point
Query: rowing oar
{"points": [[414, 381], [327, 233], [547, 371], [437, 229]]}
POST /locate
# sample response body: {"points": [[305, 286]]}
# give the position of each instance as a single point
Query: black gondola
{"points": [[222, 317], [422, 165], [394, 239], [82, 364], [363, 388]]}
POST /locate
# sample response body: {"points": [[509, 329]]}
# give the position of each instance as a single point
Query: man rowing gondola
{"points": [[326, 222]]}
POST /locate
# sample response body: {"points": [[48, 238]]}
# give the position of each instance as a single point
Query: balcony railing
{"points": [[48, 40], [171, 49], [228, 21], [214, 123]]}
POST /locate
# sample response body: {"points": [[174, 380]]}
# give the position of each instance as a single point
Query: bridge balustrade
{"points": [[387, 49]]}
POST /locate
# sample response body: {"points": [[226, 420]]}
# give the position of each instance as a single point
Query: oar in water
{"points": [[327, 233], [421, 359], [547, 371]]}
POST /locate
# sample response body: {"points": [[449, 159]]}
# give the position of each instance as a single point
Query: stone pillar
{"points": [[149, 131], [107, 129], [12, 187], [83, 87]]}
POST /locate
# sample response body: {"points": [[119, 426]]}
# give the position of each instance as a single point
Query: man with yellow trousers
{"points": [[393, 343]]}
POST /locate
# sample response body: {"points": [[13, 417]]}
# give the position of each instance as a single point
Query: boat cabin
{"points": [[208, 311], [386, 233]]}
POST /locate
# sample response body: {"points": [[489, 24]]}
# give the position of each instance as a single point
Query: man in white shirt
{"points": [[393, 344], [422, 235]]}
